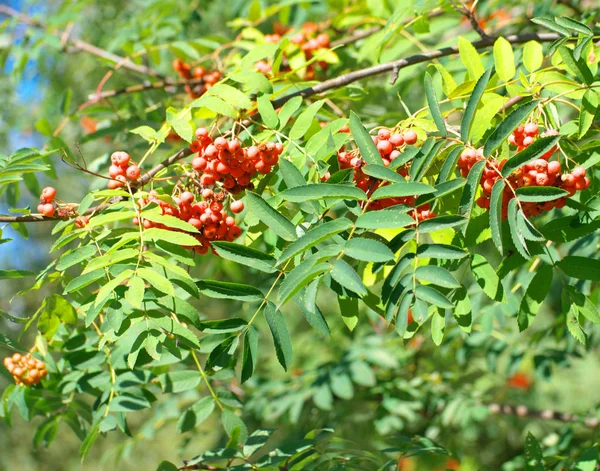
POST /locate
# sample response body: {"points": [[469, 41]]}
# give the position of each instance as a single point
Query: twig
{"points": [[469, 14], [79, 44], [143, 87]]}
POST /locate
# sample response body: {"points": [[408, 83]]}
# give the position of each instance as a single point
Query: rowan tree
{"points": [[353, 234]]}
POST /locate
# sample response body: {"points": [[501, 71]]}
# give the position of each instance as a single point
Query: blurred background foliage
{"points": [[382, 386]]}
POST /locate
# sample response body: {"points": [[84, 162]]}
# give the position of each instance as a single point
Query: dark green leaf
{"points": [[472, 104], [506, 127], [434, 106]]}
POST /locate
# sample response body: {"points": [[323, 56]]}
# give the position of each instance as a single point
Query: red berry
{"points": [[383, 134], [133, 172], [49, 193], [396, 139], [410, 137], [186, 198], [578, 172], [531, 129], [201, 134], [237, 206], [385, 147], [48, 210]]}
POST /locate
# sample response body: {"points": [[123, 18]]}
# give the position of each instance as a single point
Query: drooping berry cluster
{"points": [[25, 369], [121, 170], [227, 161], [539, 172], [308, 40], [208, 216], [203, 79], [390, 146], [47, 207]]}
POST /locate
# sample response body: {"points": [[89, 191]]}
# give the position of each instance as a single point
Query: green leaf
{"points": [[155, 234], [89, 440], [108, 289], [572, 318], [533, 56], [504, 59], [234, 426], [250, 353], [226, 290], [195, 415], [515, 233], [287, 110], [368, 149], [470, 191], [487, 278], [267, 112], [346, 276], [299, 277], [368, 250], [271, 217], [496, 214], [433, 296], [440, 223], [384, 219], [246, 256], [574, 25], [472, 104], [578, 68], [110, 259], [315, 236], [589, 109], [156, 280], [438, 322], [441, 251], [470, 58], [78, 255], [281, 336], [534, 459], [302, 123], [539, 194], [586, 307], [169, 221], [135, 292], [530, 153], [318, 191], [436, 275], [179, 381], [230, 95], [506, 127], [400, 190], [582, 268], [534, 297], [434, 106], [551, 24], [382, 173]]}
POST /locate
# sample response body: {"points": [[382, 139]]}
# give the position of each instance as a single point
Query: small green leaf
{"points": [[400, 190], [156, 280], [440, 223], [281, 336], [346, 276], [470, 58], [318, 191], [534, 296], [226, 290], [250, 353], [368, 150], [487, 278], [271, 217], [504, 58], [433, 296], [434, 106], [496, 214], [533, 56], [441, 251], [384, 219], [315, 236], [436, 275], [582, 268], [246, 256], [470, 190], [368, 250], [539, 194], [530, 153], [267, 112], [302, 123], [472, 104]]}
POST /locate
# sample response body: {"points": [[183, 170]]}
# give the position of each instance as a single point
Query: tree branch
{"points": [[79, 44], [399, 64], [141, 87]]}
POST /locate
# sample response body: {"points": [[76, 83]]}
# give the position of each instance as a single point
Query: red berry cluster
{"points": [[47, 206], [121, 170], [25, 369], [524, 135], [307, 39], [390, 146], [227, 161], [540, 172], [207, 216], [199, 74]]}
